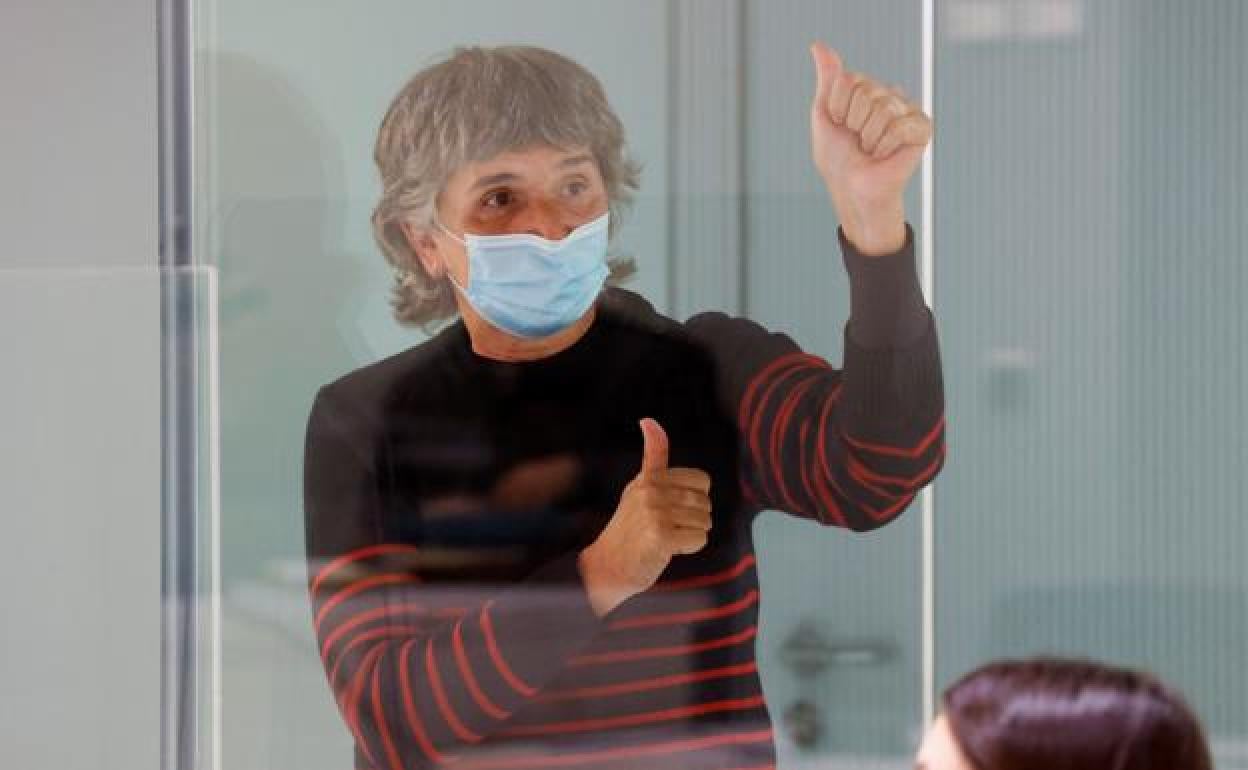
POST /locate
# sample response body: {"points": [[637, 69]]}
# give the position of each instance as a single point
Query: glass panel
{"points": [[859, 593], [1089, 220], [713, 96], [93, 577], [1071, 329], [286, 185]]}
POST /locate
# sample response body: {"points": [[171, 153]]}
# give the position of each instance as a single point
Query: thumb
{"points": [[828, 67], [654, 455]]}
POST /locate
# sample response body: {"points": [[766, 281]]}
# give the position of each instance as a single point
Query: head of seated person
{"points": [[1053, 714]]}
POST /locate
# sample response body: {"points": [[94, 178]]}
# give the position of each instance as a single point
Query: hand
{"points": [[866, 142], [662, 512]]}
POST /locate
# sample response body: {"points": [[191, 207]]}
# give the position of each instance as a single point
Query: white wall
{"points": [[79, 386], [78, 132]]}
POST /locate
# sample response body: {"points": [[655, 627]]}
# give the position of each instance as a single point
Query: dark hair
{"points": [[1053, 714]]}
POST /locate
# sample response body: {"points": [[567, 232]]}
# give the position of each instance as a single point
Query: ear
{"points": [[425, 248]]}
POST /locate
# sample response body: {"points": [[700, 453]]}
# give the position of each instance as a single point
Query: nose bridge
{"points": [[545, 217]]}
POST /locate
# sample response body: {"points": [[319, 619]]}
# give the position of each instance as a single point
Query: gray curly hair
{"points": [[475, 104]]}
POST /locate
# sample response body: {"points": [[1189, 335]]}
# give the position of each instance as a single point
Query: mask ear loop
{"points": [[438, 221]]}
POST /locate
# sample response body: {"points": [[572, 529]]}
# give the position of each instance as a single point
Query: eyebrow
{"points": [[576, 160], [507, 176], [493, 179]]}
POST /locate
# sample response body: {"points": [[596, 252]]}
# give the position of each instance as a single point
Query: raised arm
{"points": [[849, 447], [846, 447]]}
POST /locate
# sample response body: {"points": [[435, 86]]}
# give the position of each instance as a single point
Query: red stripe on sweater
{"points": [[746, 409], [701, 581], [691, 616], [648, 717], [779, 431], [409, 708], [439, 697], [755, 424], [863, 475], [900, 502], [873, 514], [376, 633], [665, 747], [351, 701], [461, 658], [361, 619], [865, 483], [358, 587], [491, 643], [868, 478], [892, 510], [828, 502], [748, 495], [831, 479], [802, 463], [655, 683], [907, 452], [821, 479], [754, 419], [357, 555], [383, 729], [620, 656]]}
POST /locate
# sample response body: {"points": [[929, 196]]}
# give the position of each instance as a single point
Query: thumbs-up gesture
{"points": [[663, 512], [867, 140]]}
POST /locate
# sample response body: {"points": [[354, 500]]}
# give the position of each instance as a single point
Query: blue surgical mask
{"points": [[531, 287]]}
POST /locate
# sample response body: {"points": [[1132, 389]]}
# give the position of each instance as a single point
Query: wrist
{"points": [[875, 229], [604, 590]]}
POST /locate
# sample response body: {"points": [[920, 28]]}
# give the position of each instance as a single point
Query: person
{"points": [[1057, 714], [529, 536]]}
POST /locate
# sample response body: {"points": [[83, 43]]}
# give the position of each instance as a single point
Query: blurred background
{"points": [[1083, 233]]}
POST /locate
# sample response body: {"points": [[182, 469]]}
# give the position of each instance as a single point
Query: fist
{"points": [[867, 139], [663, 512]]}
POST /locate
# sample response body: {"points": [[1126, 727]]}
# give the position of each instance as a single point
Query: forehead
{"points": [[532, 163], [940, 751]]}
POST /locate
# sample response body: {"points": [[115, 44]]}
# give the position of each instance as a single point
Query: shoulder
{"points": [[364, 393], [636, 312], [633, 312], [637, 329], [736, 338], [730, 340], [715, 324]]}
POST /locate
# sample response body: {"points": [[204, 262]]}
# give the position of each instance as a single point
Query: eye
{"points": [[497, 199], [574, 188]]}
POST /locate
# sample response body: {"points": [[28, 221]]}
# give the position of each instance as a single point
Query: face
{"points": [[939, 750], [541, 191]]}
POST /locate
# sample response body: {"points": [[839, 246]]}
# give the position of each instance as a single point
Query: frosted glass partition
{"points": [[1091, 274], [1087, 255], [860, 594], [714, 98], [109, 635]]}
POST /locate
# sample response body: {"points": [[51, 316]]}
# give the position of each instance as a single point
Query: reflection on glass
{"points": [[530, 536], [1088, 264]]}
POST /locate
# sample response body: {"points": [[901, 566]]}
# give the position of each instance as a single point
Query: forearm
{"points": [[408, 679], [887, 308]]}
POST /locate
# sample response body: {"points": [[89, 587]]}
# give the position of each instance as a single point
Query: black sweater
{"points": [[447, 497]]}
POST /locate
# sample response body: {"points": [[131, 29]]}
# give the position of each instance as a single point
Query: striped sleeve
{"points": [[849, 447], [419, 674]]}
